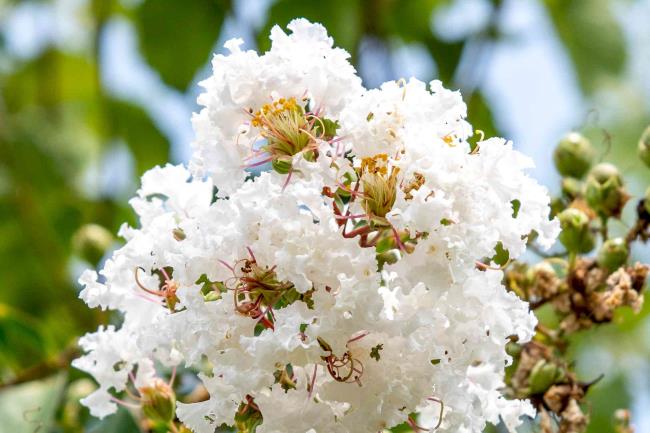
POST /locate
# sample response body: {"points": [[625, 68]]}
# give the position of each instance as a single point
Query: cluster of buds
{"points": [[545, 378], [581, 291]]}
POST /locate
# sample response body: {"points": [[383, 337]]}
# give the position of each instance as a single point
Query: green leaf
{"points": [[52, 78], [480, 115], [592, 37], [131, 123], [604, 399], [20, 339], [176, 38], [410, 20], [31, 407]]}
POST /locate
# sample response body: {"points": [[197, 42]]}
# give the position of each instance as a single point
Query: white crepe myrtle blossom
{"points": [[302, 80], [344, 288]]}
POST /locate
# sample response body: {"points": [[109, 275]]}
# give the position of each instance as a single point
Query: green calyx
{"points": [[544, 375], [605, 192], [573, 155], [613, 254], [576, 235], [158, 402]]}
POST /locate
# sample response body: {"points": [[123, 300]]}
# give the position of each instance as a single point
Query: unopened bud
{"points": [[557, 206], [513, 349], [604, 190], [613, 254], [573, 155], [644, 147], [572, 187], [576, 235], [91, 242], [544, 375], [158, 402]]}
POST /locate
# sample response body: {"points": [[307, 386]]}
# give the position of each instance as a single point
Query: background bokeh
{"points": [[94, 92]]}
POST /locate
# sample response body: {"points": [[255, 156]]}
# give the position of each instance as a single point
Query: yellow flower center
{"points": [[379, 183], [288, 130]]}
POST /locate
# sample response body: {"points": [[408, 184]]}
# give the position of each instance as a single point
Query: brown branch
{"points": [[44, 369]]}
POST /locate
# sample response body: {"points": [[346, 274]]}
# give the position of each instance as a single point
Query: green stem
{"points": [[572, 261], [603, 228]]}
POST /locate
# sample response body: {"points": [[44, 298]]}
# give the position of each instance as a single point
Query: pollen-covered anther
{"points": [[415, 184], [379, 181], [289, 129]]}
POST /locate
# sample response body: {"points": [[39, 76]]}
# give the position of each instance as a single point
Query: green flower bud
{"points": [[91, 241], [604, 190], [644, 147], [513, 349], [544, 375], [613, 254], [158, 402], [572, 187], [557, 206], [575, 236], [573, 155]]}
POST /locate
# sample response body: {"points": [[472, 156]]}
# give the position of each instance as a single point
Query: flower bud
{"points": [[158, 402], [644, 147], [604, 190], [572, 187], [513, 349], [612, 254], [575, 236], [573, 155], [646, 200], [557, 206], [91, 241], [543, 375]]}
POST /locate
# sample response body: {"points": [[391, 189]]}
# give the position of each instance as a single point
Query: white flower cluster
{"points": [[345, 287]]}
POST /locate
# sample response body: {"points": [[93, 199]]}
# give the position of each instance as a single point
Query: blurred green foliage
{"points": [[58, 122]]}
